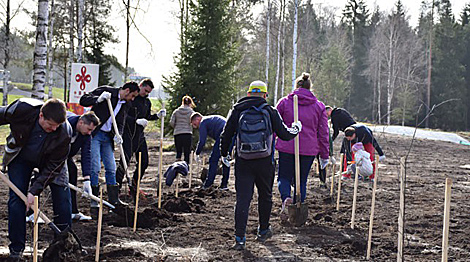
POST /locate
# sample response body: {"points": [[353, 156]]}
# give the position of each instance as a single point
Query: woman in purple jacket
{"points": [[313, 138]]}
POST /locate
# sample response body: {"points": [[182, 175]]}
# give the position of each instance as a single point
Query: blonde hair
{"points": [[187, 100], [303, 81]]}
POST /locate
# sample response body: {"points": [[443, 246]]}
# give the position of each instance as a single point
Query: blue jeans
{"points": [[214, 164], [286, 174], [102, 149], [19, 172]]}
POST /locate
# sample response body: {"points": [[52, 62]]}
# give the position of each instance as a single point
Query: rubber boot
{"points": [[94, 206], [113, 195]]}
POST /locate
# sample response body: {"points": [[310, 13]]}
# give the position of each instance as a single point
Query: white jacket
{"points": [[363, 163]]}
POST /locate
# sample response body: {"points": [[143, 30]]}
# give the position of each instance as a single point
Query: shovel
{"points": [[298, 212], [106, 203]]}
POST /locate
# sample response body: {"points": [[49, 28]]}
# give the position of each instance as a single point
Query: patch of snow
{"points": [[420, 133]]}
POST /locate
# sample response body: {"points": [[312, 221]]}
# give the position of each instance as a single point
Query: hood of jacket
{"points": [[305, 96], [184, 110], [249, 101]]}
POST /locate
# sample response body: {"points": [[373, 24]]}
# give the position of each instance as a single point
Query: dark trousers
{"points": [[322, 172], [286, 175], [214, 165], [133, 146], [259, 172], [72, 167], [183, 144], [346, 150], [19, 172]]}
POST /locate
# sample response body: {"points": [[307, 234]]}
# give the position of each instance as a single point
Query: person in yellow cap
{"points": [[254, 123]]}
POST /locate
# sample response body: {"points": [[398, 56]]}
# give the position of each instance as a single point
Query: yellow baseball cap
{"points": [[258, 87]]}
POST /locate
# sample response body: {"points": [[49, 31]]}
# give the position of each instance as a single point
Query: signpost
{"points": [[84, 79]]}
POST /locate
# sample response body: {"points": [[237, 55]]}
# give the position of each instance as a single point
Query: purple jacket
{"points": [[314, 135]]}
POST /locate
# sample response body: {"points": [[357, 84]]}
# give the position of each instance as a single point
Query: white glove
{"points": [[198, 159], [333, 160], [142, 121], [323, 163], [382, 158], [226, 161], [297, 125], [118, 139], [86, 188], [105, 95], [161, 113]]}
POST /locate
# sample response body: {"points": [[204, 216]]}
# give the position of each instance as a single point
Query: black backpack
{"points": [[255, 135]]}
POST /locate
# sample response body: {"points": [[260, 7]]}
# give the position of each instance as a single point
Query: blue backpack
{"points": [[255, 135]]}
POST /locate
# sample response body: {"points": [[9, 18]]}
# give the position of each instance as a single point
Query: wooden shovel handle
{"points": [[297, 154]]}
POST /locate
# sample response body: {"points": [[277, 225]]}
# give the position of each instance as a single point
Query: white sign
{"points": [[84, 78]]}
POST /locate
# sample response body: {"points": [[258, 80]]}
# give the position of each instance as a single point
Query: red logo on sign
{"points": [[83, 78]]}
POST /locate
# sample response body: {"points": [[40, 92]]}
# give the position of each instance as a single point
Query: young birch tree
{"points": [[40, 50]]}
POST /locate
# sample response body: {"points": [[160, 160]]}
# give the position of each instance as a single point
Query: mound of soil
{"points": [[148, 218], [183, 205], [64, 248]]}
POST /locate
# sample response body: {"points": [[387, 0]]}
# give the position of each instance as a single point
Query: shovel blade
{"points": [[298, 215]]}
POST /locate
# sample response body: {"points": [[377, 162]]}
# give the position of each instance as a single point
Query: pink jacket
{"points": [[314, 135]]}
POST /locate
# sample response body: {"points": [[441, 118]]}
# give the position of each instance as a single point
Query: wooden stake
{"points": [[341, 166], [401, 212], [372, 208], [356, 182], [191, 156], [298, 197], [36, 226], [137, 191], [332, 187], [160, 166], [445, 234], [177, 185], [100, 220]]}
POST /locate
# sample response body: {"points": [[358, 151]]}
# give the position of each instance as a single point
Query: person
{"points": [[182, 132], [211, 126], [340, 119], [361, 161], [39, 138], [82, 127], [313, 140], [361, 133], [254, 157], [102, 142], [133, 137]]}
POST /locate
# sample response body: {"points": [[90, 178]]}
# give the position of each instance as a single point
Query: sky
{"points": [[158, 21]]}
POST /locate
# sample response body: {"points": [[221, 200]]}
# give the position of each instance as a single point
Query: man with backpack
{"points": [[254, 123], [211, 126]]}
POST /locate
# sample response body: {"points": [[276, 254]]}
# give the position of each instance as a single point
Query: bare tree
{"points": [[40, 50], [294, 42], [50, 54], [278, 63], [268, 25], [81, 4], [9, 15]]}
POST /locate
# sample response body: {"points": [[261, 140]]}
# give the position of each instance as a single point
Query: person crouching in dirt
{"points": [[82, 127], [39, 138], [102, 142], [340, 119], [133, 137], [211, 126], [362, 162], [254, 156], [313, 139], [182, 130], [361, 133]]}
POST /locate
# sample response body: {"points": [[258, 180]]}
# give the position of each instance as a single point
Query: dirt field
{"points": [[199, 226]]}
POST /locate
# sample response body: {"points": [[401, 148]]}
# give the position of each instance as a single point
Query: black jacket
{"points": [[365, 135], [22, 116], [231, 127], [102, 110], [140, 108], [341, 119], [81, 143]]}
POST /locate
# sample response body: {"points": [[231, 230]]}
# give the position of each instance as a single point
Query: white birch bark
{"points": [[71, 48], [50, 54], [294, 42], [278, 63], [268, 25], [40, 50], [81, 5]]}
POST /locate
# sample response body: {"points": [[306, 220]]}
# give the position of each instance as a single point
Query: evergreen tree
{"points": [[465, 21]]}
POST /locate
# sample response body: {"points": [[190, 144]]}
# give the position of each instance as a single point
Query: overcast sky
{"points": [[159, 23]]}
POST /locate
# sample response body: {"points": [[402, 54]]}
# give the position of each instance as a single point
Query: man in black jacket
{"points": [[341, 119], [133, 137], [259, 172], [82, 127], [102, 142], [39, 138]]}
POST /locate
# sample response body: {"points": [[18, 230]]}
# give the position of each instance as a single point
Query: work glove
{"points": [[298, 126], [118, 139], [198, 159], [142, 121], [333, 160], [226, 160], [105, 95], [323, 163], [86, 188], [381, 158], [161, 113]]}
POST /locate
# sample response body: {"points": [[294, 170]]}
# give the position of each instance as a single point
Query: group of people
{"points": [[45, 137]]}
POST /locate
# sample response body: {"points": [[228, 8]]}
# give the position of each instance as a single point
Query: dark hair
{"points": [[146, 82], [187, 100], [194, 115], [304, 81], [54, 109], [349, 131], [132, 86], [89, 118], [328, 108]]}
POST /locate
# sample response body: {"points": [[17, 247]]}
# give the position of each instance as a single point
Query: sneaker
{"points": [[30, 219], [239, 243], [287, 202], [263, 235], [80, 217], [223, 188]]}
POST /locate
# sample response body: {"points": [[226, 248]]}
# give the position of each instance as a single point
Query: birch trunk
{"points": [[40, 50], [7, 36], [268, 25], [294, 42], [278, 63], [50, 54], [71, 48], [283, 55], [81, 4], [390, 73], [128, 27]]}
